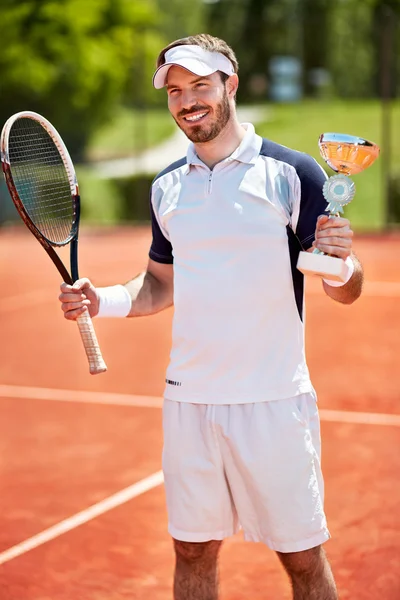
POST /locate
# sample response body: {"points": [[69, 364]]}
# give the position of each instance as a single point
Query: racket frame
{"points": [[93, 352], [75, 198]]}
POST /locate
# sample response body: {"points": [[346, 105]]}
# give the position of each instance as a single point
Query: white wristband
{"points": [[115, 301], [350, 264]]}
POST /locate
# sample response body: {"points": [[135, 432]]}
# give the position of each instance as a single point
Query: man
{"points": [[241, 427]]}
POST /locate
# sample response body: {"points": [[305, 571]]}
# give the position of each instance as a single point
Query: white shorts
{"points": [[250, 466]]}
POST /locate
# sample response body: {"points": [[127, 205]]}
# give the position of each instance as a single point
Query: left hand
{"points": [[333, 236]]}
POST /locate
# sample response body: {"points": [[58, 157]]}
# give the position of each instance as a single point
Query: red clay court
{"points": [[81, 498]]}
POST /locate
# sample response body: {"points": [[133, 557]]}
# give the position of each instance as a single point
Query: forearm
{"points": [[348, 293], [149, 295]]}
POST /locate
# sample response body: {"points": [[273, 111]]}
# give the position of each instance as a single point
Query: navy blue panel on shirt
{"points": [[297, 276], [312, 179], [161, 248], [312, 204]]}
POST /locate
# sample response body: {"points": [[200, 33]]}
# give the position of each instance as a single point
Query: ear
{"points": [[232, 84]]}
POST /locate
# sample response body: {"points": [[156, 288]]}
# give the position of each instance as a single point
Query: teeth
{"points": [[195, 117]]}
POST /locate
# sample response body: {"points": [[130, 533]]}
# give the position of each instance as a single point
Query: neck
{"points": [[223, 145]]}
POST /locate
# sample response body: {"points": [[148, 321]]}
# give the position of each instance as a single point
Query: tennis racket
{"points": [[42, 183]]}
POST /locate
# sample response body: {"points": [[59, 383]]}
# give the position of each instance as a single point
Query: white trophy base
{"points": [[328, 267]]}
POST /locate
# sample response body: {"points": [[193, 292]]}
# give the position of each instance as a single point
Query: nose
{"points": [[188, 99]]}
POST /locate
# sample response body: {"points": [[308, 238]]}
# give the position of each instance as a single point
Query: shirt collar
{"points": [[247, 152]]}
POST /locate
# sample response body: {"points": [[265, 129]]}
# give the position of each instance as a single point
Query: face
{"points": [[199, 105]]}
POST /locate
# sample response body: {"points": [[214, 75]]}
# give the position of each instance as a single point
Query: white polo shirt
{"points": [[233, 234]]}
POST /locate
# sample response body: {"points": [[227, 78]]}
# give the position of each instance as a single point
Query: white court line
{"points": [[148, 483], [83, 517], [363, 418], [36, 393]]}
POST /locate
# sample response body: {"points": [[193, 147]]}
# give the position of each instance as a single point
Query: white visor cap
{"points": [[195, 59]]}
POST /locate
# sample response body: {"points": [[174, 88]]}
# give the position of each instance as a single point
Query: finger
{"points": [[334, 241], [71, 296], [66, 307], [72, 315], [339, 251], [344, 233], [333, 222], [82, 284]]}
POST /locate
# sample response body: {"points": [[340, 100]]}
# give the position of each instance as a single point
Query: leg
{"points": [[196, 570], [198, 498], [310, 574]]}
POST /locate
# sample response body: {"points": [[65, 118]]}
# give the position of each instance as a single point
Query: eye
{"points": [[201, 85]]}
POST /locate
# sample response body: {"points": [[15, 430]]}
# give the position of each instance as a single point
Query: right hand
{"points": [[78, 298]]}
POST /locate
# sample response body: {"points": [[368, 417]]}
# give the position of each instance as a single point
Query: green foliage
{"points": [[256, 30], [68, 59], [174, 19], [101, 202], [342, 36], [394, 195], [111, 201], [74, 61], [181, 19], [351, 59], [135, 194]]}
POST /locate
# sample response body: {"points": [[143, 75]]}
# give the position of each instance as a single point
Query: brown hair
{"points": [[205, 41]]}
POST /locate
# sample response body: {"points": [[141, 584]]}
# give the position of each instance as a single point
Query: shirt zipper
{"points": [[210, 182]]}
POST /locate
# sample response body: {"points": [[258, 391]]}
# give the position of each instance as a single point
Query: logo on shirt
{"points": [[176, 383]]}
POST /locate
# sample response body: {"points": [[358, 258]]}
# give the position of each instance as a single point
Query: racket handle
{"points": [[92, 348]]}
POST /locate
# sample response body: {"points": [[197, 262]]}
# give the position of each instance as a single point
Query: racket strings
{"points": [[41, 180]]}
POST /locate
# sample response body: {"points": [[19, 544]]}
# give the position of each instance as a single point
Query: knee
{"points": [[195, 552], [304, 564]]}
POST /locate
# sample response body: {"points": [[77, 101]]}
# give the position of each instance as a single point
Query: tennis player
{"points": [[241, 426]]}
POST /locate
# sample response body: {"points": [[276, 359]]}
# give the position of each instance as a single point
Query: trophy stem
{"points": [[338, 191]]}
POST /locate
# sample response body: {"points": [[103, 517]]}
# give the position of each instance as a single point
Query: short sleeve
{"points": [[161, 248], [312, 202]]}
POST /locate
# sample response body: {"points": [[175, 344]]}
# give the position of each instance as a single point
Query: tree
{"points": [[68, 60], [358, 33], [173, 19]]}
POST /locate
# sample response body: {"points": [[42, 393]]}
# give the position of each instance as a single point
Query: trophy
{"points": [[347, 155]]}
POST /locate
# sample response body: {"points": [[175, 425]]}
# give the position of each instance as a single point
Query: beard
{"points": [[205, 133]]}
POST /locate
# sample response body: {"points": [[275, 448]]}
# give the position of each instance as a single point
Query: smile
{"points": [[195, 118]]}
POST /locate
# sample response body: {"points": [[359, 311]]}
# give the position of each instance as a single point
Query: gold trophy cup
{"points": [[347, 155]]}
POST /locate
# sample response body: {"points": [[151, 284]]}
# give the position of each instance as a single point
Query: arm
{"points": [[333, 236], [150, 292], [146, 294]]}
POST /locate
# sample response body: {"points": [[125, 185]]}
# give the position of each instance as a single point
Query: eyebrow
{"points": [[170, 85]]}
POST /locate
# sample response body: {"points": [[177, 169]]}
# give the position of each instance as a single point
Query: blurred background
{"points": [[67, 439], [306, 67]]}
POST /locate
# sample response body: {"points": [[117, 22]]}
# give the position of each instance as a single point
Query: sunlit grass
{"points": [[299, 126], [129, 133]]}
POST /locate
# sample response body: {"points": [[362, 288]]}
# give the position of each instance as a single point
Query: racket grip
{"points": [[92, 348]]}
